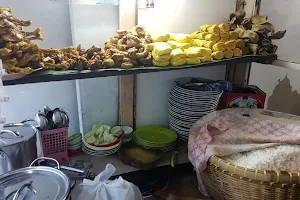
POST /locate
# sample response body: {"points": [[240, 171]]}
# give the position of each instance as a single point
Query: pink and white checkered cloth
{"points": [[227, 132]]}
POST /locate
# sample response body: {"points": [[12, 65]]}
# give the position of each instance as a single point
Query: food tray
{"points": [[135, 163]]}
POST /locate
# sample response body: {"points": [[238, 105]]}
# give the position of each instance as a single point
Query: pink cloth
{"points": [[228, 132]]}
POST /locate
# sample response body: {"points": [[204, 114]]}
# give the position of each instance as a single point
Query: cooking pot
{"points": [[35, 183], [17, 146]]}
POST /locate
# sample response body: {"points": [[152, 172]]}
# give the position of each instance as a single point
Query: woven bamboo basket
{"points": [[225, 181]]}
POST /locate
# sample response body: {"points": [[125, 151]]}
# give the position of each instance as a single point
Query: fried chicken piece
{"points": [[4, 52], [27, 57], [13, 36], [5, 14], [4, 8], [139, 31], [90, 52], [4, 23], [10, 68], [36, 34], [63, 66], [48, 60]]}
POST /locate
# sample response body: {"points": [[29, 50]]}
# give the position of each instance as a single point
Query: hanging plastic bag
{"points": [[103, 189]]}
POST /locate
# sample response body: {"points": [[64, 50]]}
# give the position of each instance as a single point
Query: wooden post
{"points": [[239, 73], [127, 20]]}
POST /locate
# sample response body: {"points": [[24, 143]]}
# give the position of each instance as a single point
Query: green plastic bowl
{"points": [[74, 136]]}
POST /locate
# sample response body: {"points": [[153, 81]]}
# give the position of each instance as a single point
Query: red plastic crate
{"points": [[55, 144]]}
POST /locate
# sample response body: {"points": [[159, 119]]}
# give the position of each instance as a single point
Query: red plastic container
{"points": [[55, 144], [249, 96]]}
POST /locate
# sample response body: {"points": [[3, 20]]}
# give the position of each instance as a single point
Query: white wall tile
{"points": [[26, 100]]}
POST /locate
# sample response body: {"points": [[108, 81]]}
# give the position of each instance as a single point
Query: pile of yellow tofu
{"points": [[223, 42], [212, 42]]}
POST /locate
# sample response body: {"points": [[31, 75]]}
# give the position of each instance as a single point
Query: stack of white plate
{"points": [[101, 151], [186, 106]]}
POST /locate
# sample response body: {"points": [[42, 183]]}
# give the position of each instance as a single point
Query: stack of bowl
{"points": [[127, 134], [155, 137], [186, 106], [75, 142]]}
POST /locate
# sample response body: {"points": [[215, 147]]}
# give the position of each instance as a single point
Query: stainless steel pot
{"points": [[17, 146], [35, 183]]}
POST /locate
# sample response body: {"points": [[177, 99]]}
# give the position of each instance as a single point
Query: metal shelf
{"points": [[46, 75]]}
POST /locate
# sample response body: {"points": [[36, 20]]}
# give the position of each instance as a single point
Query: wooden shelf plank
{"points": [[52, 75]]}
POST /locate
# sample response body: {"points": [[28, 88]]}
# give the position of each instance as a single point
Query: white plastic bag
{"points": [[103, 189]]}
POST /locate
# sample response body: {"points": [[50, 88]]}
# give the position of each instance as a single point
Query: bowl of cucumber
{"points": [[103, 136]]}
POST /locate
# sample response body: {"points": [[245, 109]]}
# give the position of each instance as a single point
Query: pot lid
{"points": [[16, 133], [36, 183]]}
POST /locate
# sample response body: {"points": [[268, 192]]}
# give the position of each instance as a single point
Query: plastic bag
{"points": [[103, 189]]}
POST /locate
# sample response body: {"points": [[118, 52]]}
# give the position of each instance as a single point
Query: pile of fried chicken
{"points": [[128, 48], [256, 31], [17, 51], [19, 54]]}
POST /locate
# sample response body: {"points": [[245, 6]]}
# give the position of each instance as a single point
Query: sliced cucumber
{"points": [[106, 133], [93, 133], [97, 142], [91, 140], [95, 128], [101, 139], [107, 127], [87, 135], [116, 131], [100, 130], [109, 138]]}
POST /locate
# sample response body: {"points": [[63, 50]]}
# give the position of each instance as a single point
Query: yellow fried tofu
{"points": [[218, 55], [173, 44], [160, 57], [193, 61], [163, 58], [162, 48], [182, 38], [202, 35], [204, 27], [209, 44], [178, 62], [183, 45], [224, 27], [198, 43], [212, 37], [239, 43], [161, 38], [219, 46], [233, 35], [230, 45], [205, 59], [223, 40], [228, 54], [224, 36], [160, 64], [192, 52], [237, 52], [245, 50], [204, 52], [214, 29], [177, 54], [150, 46], [195, 34], [171, 36]]}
